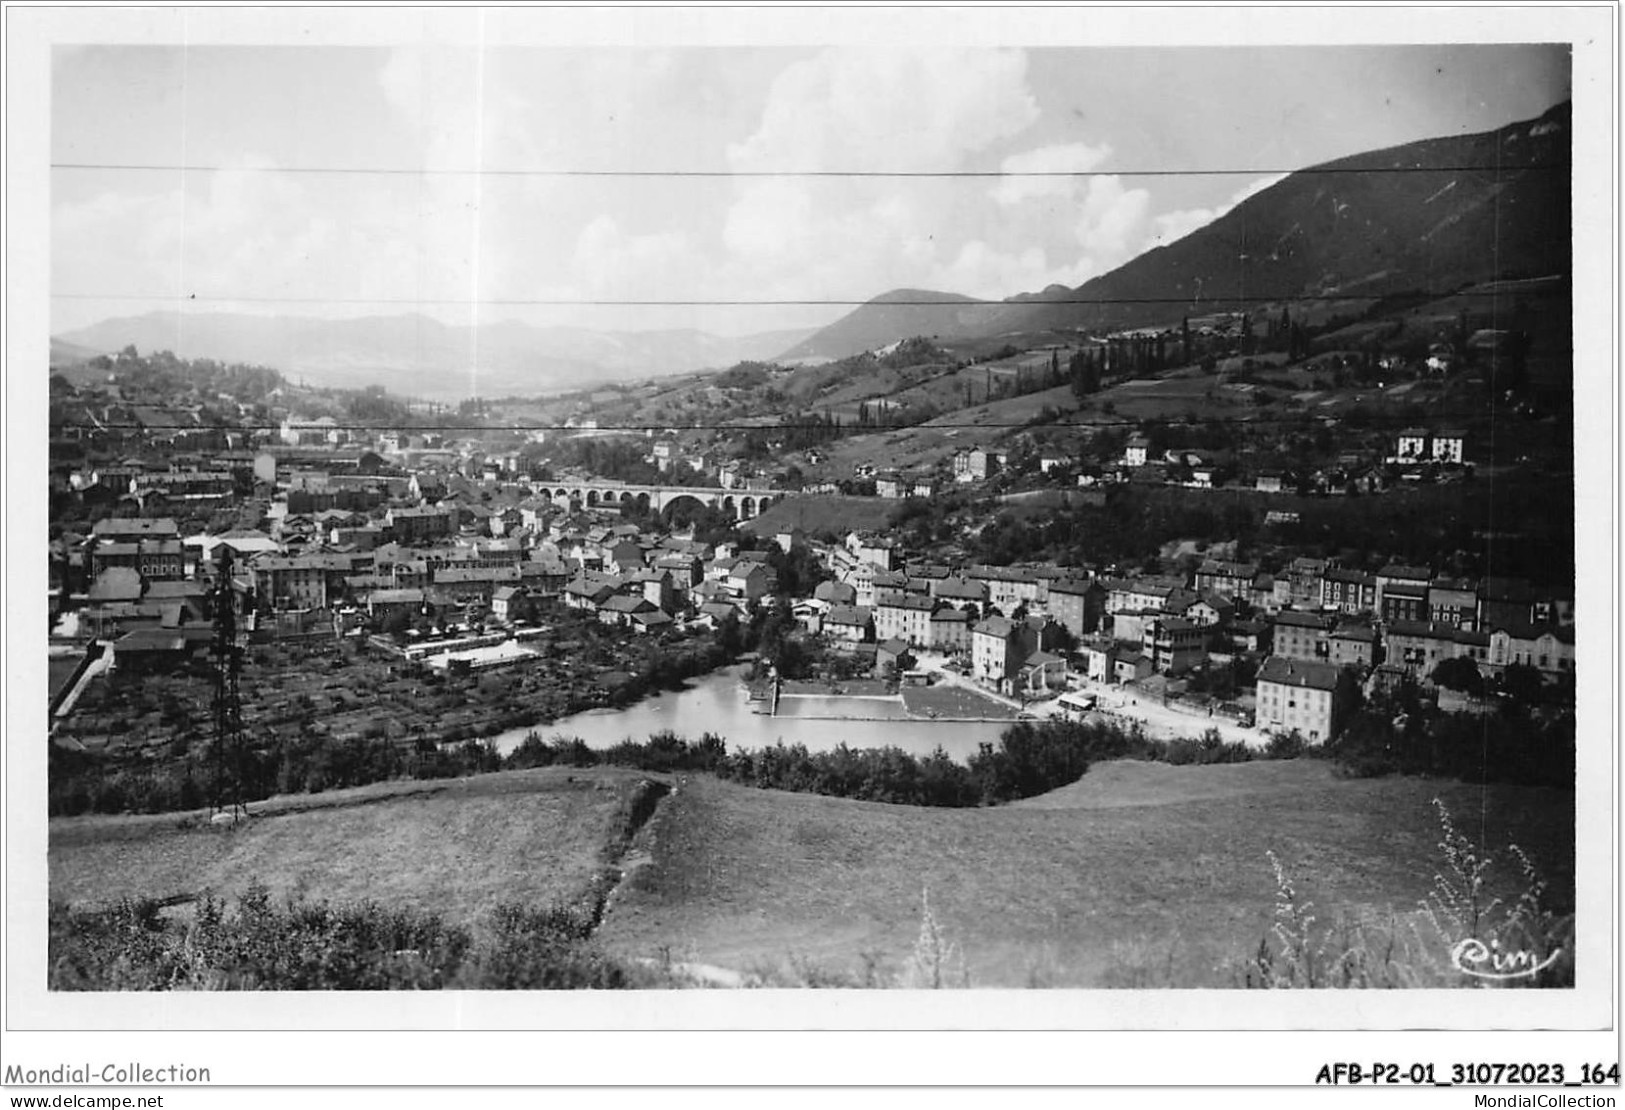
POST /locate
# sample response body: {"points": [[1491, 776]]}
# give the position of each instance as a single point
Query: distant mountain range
{"points": [[414, 355], [1430, 216]]}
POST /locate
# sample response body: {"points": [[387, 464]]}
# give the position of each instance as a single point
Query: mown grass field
{"points": [[955, 702], [457, 847], [1138, 875]]}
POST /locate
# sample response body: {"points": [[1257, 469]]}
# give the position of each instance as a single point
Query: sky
{"points": [[471, 183]]}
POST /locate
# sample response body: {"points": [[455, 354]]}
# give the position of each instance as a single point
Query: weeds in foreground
{"points": [[936, 961], [1140, 964], [1461, 934], [256, 944]]}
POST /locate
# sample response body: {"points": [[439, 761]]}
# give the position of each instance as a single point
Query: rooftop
{"points": [[1298, 672]]}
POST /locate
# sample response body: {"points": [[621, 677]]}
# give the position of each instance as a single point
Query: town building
{"points": [[975, 464], [996, 651], [1419, 646], [1411, 446], [421, 524], [1549, 650], [1405, 601], [384, 604], [1352, 645], [1008, 587], [849, 623], [960, 591], [1303, 576], [1175, 644], [892, 658], [879, 551], [1042, 673], [619, 609], [310, 581], [1299, 695], [1098, 655], [1452, 601], [1349, 591], [891, 486], [949, 630], [905, 617], [1298, 635], [1077, 605], [1210, 611]]}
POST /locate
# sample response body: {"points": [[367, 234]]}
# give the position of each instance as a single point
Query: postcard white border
{"points": [[501, 1056]]}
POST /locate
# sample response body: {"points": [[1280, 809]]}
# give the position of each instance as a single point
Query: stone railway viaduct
{"points": [[741, 504]]}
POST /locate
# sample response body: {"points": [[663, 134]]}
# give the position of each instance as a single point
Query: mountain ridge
{"points": [[1433, 215]]}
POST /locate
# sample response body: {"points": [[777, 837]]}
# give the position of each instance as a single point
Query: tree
{"points": [[1460, 674], [1085, 374], [1297, 342], [397, 621], [1522, 683], [730, 637]]}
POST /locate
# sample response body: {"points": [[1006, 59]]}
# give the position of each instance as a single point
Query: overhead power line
{"points": [[1207, 298], [383, 426], [388, 171]]}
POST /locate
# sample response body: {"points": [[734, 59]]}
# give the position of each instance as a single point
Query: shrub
{"points": [[301, 945], [1286, 745], [1459, 932]]}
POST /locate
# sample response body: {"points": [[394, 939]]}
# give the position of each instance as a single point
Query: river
{"points": [[717, 703]]}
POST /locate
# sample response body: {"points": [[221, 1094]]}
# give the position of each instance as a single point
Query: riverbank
{"points": [[330, 713]]}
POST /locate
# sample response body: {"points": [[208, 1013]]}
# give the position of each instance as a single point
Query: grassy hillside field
{"points": [[456, 848], [1137, 875]]}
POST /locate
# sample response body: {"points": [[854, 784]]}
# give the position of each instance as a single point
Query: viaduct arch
{"points": [[740, 504]]}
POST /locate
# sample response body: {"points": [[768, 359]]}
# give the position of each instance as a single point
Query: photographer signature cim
{"points": [[1487, 961]]}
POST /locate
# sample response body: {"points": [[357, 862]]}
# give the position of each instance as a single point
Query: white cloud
{"points": [[611, 264], [450, 237], [889, 110], [1083, 223], [435, 91], [247, 237], [1170, 227], [852, 238], [982, 270], [1111, 220], [1064, 240], [1065, 158]]}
